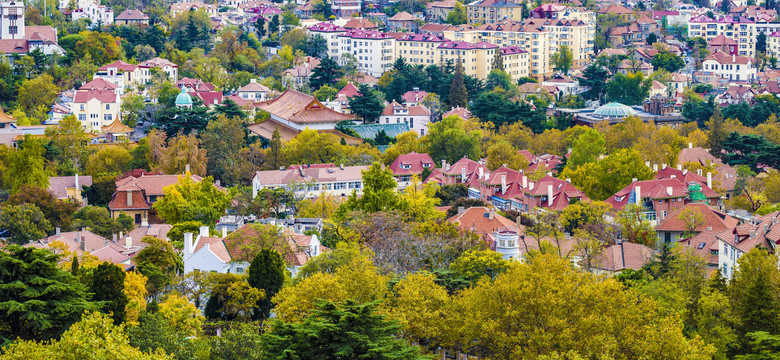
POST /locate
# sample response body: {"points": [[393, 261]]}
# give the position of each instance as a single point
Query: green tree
{"points": [[99, 221], [378, 191], [273, 26], [260, 27], [326, 73], [366, 105], [761, 42], [325, 93], [176, 233], [101, 191], [24, 223], [108, 284], [458, 94], [26, 165], [110, 160], [594, 78], [266, 273], [154, 333], [629, 89], [586, 148], [668, 61], [69, 142], [191, 30], [188, 200], [223, 141], [335, 331], [563, 59], [503, 153], [57, 212], [754, 288], [38, 301], [698, 110], [458, 15], [498, 61], [101, 47], [448, 139], [651, 39], [159, 263], [605, 177]]}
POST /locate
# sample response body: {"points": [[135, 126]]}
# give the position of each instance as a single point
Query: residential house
{"points": [[731, 67], [463, 171], [330, 33], [623, 13], [510, 189], [169, 68], [500, 233], [253, 91], [618, 257], [555, 11], [360, 24], [342, 97], [299, 75], [658, 89], [659, 197], [437, 11], [761, 231], [69, 187], [737, 94], [723, 44], [94, 12], [631, 66], [739, 28], [132, 17], [182, 7], [313, 180], [725, 176], [463, 113], [674, 226], [402, 21], [679, 83], [418, 117], [621, 35], [647, 25], [491, 11], [96, 108], [16, 38], [373, 50], [406, 166], [419, 49], [345, 8], [414, 96]]}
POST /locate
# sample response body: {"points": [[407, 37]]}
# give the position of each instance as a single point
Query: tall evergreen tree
{"points": [[717, 133], [266, 272], [367, 105], [260, 27], [326, 73], [273, 26], [108, 285], [339, 331], [275, 155], [458, 94], [498, 60]]}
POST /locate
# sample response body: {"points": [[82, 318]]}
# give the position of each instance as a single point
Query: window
{"points": [[355, 184], [340, 186], [107, 117], [81, 107], [82, 117], [239, 270], [13, 30]]}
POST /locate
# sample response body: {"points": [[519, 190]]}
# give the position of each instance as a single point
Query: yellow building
{"points": [[577, 35], [477, 59], [741, 29], [419, 49], [491, 11]]}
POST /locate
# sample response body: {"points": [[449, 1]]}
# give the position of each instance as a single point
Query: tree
{"points": [[586, 148], [498, 62], [496, 108], [25, 166], [69, 142], [448, 139], [247, 242], [725, 6], [94, 337], [342, 330], [693, 219], [101, 47], [266, 273], [158, 262], [754, 286], [108, 284], [378, 191], [110, 160], [751, 150], [503, 153], [260, 27], [651, 39], [326, 73], [181, 314], [135, 292], [24, 223], [458, 15], [99, 221], [231, 298], [476, 264], [57, 212], [418, 303], [605, 177], [417, 202], [173, 156], [38, 301], [192, 29], [716, 135], [761, 42], [188, 200], [316, 46], [698, 110], [594, 78], [366, 104], [101, 191], [458, 94], [563, 59], [223, 141], [273, 26], [241, 341], [629, 89], [668, 61], [325, 93], [154, 333]]}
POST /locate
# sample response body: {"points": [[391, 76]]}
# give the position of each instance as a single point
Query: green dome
{"points": [[614, 110], [183, 99]]}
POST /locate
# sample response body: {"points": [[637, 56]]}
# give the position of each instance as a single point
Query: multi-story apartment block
{"points": [[491, 11], [477, 59], [515, 61], [374, 50], [419, 49], [345, 8], [577, 35], [563, 12], [741, 29], [330, 32]]}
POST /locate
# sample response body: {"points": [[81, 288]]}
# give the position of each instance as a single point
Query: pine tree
{"points": [[266, 272], [260, 27], [108, 285], [498, 60], [276, 149], [716, 135], [458, 94], [74, 266], [367, 105]]}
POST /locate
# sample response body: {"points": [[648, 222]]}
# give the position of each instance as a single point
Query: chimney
{"points": [[490, 215], [83, 243], [525, 181], [341, 166], [57, 231], [187, 168], [568, 180], [663, 166], [443, 164], [655, 167], [633, 180], [448, 167], [647, 163], [685, 171], [531, 186], [487, 176], [114, 237], [129, 198], [224, 232], [673, 177], [690, 145], [461, 209], [503, 184], [679, 167], [76, 182], [669, 190], [733, 58], [217, 182], [698, 171], [252, 81], [549, 195], [128, 242], [204, 231], [638, 192], [463, 174], [481, 172], [549, 173], [709, 179], [188, 243]]}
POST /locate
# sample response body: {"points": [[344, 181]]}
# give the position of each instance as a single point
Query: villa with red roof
{"points": [[16, 38], [96, 108], [659, 197], [127, 76], [732, 67], [298, 76], [418, 117], [405, 166]]}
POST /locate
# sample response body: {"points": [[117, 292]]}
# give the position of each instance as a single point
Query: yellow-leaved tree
{"points": [[135, 290], [181, 314]]}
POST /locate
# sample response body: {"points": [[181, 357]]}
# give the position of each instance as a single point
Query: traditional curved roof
{"points": [[614, 110], [300, 108], [116, 127], [5, 118]]}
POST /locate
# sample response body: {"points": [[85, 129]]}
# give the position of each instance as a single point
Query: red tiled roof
{"points": [[360, 24], [298, 107], [119, 200], [17, 46], [623, 256], [119, 64], [723, 58], [713, 220], [98, 84], [132, 15], [414, 161], [209, 97], [463, 113], [477, 219], [349, 90], [104, 96]]}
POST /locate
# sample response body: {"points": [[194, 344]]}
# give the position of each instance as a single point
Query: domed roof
{"points": [[614, 110], [183, 99]]}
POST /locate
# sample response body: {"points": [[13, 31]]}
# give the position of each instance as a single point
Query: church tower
{"points": [[12, 20]]}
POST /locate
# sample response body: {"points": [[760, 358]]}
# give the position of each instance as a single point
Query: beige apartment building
{"points": [[419, 49], [492, 11], [577, 35], [741, 29]]}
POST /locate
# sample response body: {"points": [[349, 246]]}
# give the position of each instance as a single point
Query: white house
{"points": [[96, 13], [128, 76], [311, 181], [417, 116], [253, 91], [330, 32], [732, 244], [373, 50], [731, 67]]}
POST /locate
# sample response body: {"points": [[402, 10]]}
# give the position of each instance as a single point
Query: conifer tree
{"points": [[498, 61], [266, 272], [108, 285], [458, 94]]}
